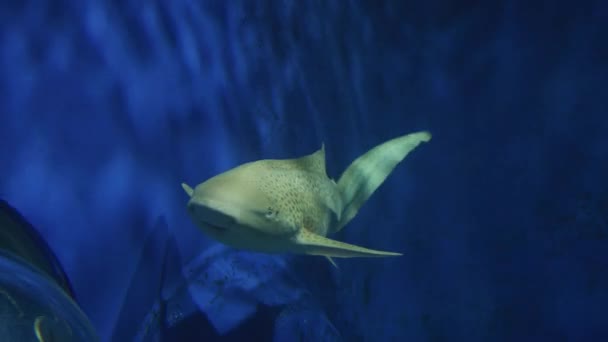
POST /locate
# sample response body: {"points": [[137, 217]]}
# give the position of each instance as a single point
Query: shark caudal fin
{"points": [[366, 173]]}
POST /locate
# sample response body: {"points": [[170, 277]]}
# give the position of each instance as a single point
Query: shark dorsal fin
{"points": [[314, 162]]}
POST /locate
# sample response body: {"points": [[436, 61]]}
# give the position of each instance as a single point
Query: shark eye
{"points": [[271, 213]]}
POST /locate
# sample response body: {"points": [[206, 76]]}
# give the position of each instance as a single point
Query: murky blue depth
{"points": [[107, 106]]}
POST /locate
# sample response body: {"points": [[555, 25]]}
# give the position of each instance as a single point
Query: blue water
{"points": [[106, 107]]}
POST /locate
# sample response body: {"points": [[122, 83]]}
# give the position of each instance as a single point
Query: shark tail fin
{"points": [[368, 172]]}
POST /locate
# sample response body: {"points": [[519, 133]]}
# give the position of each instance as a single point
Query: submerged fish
{"points": [[291, 205]]}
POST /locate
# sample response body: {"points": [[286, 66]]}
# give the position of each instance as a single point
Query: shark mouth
{"points": [[216, 228]]}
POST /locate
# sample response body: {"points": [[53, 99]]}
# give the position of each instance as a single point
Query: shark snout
{"points": [[208, 213]]}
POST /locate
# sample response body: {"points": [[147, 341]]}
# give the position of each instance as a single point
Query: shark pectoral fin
{"points": [[187, 189], [313, 244]]}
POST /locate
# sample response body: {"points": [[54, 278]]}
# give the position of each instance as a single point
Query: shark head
{"points": [[231, 209]]}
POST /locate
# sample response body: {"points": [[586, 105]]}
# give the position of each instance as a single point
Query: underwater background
{"points": [[107, 106]]}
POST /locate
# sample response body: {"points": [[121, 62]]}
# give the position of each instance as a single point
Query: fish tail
{"points": [[368, 172]]}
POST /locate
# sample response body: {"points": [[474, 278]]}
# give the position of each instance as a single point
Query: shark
{"points": [[291, 205]]}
